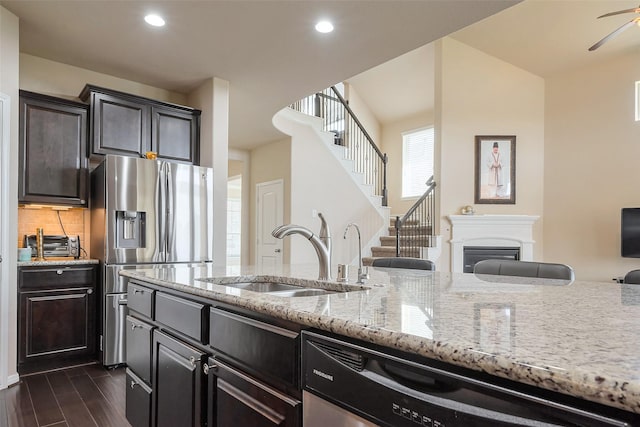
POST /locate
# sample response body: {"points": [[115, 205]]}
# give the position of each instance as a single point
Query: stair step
{"points": [[420, 240], [390, 251], [412, 229], [392, 221]]}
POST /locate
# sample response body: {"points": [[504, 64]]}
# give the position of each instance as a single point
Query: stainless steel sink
{"points": [[263, 286], [270, 285]]}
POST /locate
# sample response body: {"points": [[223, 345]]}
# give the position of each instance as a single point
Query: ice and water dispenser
{"points": [[130, 229]]}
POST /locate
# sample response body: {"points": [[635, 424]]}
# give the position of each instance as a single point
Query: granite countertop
{"points": [[581, 339], [57, 261]]}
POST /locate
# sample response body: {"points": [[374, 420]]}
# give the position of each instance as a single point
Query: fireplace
{"points": [[490, 231], [473, 254]]}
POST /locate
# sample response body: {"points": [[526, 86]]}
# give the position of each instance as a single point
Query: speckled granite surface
{"points": [[57, 261], [581, 339]]}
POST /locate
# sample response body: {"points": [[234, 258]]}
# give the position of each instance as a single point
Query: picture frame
{"points": [[495, 326], [495, 174]]}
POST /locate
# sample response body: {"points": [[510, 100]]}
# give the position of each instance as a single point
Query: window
{"points": [[417, 161], [234, 224]]}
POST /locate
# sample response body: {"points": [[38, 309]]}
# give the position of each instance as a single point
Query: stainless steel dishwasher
{"points": [[351, 384]]}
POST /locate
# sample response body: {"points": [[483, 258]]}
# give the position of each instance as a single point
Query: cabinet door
{"points": [[56, 323], [236, 399], [120, 126], [175, 134], [53, 160], [178, 389]]}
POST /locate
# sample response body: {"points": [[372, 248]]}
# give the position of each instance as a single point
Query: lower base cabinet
{"points": [[56, 317], [138, 409], [235, 399], [178, 383]]}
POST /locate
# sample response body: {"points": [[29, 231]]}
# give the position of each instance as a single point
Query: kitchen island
{"points": [[579, 339]]}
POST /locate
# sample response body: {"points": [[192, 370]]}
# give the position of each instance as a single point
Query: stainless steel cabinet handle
{"points": [[133, 384], [59, 272], [278, 251], [206, 368], [89, 291], [134, 326], [192, 360], [138, 291]]}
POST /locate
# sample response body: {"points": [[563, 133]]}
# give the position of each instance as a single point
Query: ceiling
{"points": [[266, 49], [544, 37]]}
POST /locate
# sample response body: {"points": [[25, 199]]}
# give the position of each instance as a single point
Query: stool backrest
{"points": [[508, 267], [400, 262]]}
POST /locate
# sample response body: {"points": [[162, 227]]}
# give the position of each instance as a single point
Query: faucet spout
{"points": [[362, 272], [323, 252]]}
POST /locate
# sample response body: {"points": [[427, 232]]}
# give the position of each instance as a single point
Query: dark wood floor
{"points": [[85, 396]]}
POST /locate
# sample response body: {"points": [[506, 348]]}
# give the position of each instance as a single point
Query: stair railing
{"points": [[349, 132], [415, 230]]}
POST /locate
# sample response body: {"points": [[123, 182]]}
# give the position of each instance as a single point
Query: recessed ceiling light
{"points": [[155, 20], [324, 27]]}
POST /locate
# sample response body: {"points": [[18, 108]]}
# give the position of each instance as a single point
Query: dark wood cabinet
{"points": [[194, 362], [175, 134], [131, 125], [53, 157], [119, 126], [57, 317], [178, 383], [237, 399]]}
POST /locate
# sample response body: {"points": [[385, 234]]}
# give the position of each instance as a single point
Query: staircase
{"points": [[412, 246], [354, 148]]}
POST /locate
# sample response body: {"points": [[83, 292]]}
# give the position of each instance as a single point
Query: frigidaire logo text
{"points": [[323, 375]]}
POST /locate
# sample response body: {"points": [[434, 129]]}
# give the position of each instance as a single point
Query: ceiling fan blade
{"points": [[634, 10], [613, 34]]}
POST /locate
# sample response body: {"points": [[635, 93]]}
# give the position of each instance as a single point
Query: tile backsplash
{"points": [[75, 222]]}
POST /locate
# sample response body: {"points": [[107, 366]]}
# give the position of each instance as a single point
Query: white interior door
{"points": [[269, 215]]}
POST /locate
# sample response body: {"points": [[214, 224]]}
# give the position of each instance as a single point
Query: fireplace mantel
{"points": [[490, 230]]}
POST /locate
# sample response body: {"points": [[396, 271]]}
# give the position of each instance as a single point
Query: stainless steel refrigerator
{"points": [[145, 214]]}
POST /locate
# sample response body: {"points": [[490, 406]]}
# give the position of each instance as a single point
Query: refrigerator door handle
{"points": [[170, 206], [161, 206]]}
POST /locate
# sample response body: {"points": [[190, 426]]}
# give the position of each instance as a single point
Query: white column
{"points": [[9, 77], [212, 97]]}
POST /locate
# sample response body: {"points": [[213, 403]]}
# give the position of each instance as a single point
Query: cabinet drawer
{"points": [[54, 277], [266, 350], [139, 348], [140, 299], [236, 399], [186, 317], [138, 409]]}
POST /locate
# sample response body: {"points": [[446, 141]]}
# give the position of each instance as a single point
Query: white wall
{"points": [[66, 81], [592, 166], [9, 76], [364, 114], [319, 182], [478, 94]]}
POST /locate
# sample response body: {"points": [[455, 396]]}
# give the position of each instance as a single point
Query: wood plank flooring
{"points": [[84, 396]]}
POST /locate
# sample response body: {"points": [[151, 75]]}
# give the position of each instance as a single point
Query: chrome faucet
{"points": [[321, 243], [362, 271]]}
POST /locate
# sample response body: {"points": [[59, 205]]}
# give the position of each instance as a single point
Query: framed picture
{"points": [[495, 326], [495, 170]]}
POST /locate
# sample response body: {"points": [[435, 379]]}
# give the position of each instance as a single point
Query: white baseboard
{"points": [[13, 379]]}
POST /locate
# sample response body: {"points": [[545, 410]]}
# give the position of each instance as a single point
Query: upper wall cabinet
{"points": [[131, 125], [53, 157]]}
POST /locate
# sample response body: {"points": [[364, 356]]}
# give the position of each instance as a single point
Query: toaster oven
{"points": [[54, 246]]}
